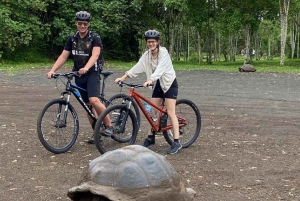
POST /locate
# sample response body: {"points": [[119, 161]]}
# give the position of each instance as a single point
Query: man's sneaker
{"points": [[176, 146], [148, 142], [109, 131], [91, 140]]}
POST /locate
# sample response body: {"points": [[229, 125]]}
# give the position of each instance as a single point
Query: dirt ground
{"points": [[248, 148]]}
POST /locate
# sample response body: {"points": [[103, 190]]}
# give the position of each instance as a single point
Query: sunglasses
{"points": [[151, 41], [83, 23]]}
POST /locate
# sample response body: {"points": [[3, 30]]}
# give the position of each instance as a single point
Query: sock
{"points": [[176, 140]]}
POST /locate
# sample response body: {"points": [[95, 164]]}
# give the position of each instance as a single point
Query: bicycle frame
{"points": [[71, 89], [156, 126]]}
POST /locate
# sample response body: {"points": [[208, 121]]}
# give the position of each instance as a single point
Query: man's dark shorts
{"points": [[172, 93], [90, 82]]}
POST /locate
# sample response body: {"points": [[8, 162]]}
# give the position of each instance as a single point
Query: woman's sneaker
{"points": [[148, 142], [176, 146]]}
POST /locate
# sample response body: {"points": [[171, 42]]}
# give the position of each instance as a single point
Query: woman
{"points": [[157, 65]]}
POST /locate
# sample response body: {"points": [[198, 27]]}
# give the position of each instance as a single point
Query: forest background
{"points": [[196, 33]]}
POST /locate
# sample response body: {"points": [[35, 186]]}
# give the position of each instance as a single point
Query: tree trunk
{"points": [[215, 46], [188, 45], [269, 48], [293, 39], [236, 46], [247, 58], [298, 38], [199, 47], [284, 10], [219, 49], [171, 46]]}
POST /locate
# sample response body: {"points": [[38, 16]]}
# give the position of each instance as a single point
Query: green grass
{"points": [[291, 66]]}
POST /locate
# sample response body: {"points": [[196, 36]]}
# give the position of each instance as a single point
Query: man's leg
{"points": [[99, 108]]}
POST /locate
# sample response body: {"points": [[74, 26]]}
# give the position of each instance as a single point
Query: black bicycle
{"points": [[58, 124]]}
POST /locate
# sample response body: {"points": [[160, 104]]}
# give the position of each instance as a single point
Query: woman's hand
{"points": [[118, 80], [121, 79], [146, 84]]}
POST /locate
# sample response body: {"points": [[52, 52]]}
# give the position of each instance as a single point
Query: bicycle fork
{"points": [[123, 117], [61, 117]]}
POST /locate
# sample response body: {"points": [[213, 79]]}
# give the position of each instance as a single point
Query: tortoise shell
{"points": [[131, 173]]}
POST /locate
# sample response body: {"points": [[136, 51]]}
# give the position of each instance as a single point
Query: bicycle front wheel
{"points": [[121, 99], [190, 132], [57, 126], [125, 128]]}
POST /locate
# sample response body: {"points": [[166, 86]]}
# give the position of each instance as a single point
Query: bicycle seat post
{"points": [[104, 74], [103, 86]]}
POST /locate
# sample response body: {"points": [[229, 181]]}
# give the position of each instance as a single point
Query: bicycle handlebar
{"points": [[121, 84], [68, 75]]}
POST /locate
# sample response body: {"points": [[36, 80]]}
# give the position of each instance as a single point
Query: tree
{"points": [[197, 14], [20, 24], [284, 11], [269, 31], [294, 30]]}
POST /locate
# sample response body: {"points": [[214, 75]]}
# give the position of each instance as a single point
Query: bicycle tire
{"points": [[190, 132], [119, 114], [55, 135], [119, 99]]}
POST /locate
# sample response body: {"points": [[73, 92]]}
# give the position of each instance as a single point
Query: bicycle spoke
{"points": [[125, 129], [56, 134], [188, 133]]}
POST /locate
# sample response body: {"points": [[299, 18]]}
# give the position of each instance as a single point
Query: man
{"points": [[85, 47]]}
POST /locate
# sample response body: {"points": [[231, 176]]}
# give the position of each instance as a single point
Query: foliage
{"points": [[21, 20], [42, 26]]}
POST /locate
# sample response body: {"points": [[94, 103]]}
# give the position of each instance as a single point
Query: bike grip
{"points": [[54, 76], [120, 83]]}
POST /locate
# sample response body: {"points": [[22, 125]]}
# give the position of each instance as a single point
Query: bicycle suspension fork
{"points": [[63, 121], [123, 116]]}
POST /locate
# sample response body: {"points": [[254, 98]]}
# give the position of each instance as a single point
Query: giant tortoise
{"points": [[131, 173], [247, 68]]}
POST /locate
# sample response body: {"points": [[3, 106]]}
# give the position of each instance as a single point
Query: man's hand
{"points": [[49, 74], [82, 71]]}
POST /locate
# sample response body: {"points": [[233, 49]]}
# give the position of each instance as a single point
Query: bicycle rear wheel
{"points": [[125, 128], [56, 133], [121, 99], [190, 132]]}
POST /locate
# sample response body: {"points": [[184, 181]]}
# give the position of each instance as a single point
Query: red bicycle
{"points": [[126, 128]]}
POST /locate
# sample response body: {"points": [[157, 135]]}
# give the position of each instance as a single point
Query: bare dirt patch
{"points": [[248, 148]]}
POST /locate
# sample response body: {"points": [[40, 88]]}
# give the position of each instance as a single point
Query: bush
{"points": [[26, 54]]}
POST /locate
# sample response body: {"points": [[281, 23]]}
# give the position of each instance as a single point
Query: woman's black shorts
{"points": [[172, 93]]}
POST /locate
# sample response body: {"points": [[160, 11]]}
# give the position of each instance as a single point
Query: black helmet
{"points": [[83, 15], [152, 34]]}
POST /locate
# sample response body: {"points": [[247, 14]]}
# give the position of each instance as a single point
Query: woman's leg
{"points": [[170, 105], [157, 102]]}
